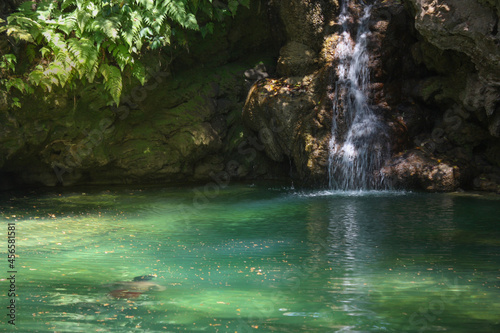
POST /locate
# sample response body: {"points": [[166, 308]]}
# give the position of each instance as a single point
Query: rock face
{"points": [[301, 101], [461, 50], [418, 169], [289, 121], [434, 81], [181, 126], [468, 26]]}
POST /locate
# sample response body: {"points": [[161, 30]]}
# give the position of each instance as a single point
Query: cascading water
{"points": [[359, 144]]}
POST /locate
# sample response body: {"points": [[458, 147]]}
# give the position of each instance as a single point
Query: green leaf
{"points": [[44, 51], [15, 102], [84, 54], [233, 6], [82, 18], [245, 3], [57, 73], [75, 40], [16, 83], [2, 26], [121, 55], [67, 3], [31, 52], [109, 26], [207, 29], [20, 34], [36, 76], [8, 61], [67, 24], [113, 81], [176, 10], [139, 72]]}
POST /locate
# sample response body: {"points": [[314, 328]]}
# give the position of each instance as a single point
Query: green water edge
{"points": [[258, 257]]}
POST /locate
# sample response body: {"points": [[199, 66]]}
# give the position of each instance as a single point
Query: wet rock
{"points": [[257, 73], [306, 21], [414, 118], [295, 59], [487, 182], [290, 123], [420, 170]]}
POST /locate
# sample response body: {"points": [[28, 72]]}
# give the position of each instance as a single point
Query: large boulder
{"points": [[296, 59], [418, 169], [291, 123], [468, 26]]}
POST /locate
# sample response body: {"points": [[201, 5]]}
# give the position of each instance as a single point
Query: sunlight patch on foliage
{"points": [[84, 41]]}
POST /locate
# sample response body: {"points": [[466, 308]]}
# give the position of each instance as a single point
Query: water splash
{"points": [[359, 144]]}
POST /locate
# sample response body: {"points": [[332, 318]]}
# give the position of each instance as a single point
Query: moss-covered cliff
{"points": [[184, 124]]}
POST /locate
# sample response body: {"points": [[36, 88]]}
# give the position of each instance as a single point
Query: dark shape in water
{"points": [[144, 278], [135, 288]]}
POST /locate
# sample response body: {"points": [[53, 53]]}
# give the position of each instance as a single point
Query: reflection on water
{"points": [[254, 258]]}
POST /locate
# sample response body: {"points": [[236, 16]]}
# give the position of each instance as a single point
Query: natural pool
{"points": [[253, 258]]}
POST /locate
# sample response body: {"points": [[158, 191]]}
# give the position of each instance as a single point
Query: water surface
{"points": [[254, 258]]}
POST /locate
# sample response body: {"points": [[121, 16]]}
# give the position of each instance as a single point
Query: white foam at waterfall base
{"points": [[356, 156]]}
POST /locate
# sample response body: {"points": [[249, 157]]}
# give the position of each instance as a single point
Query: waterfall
{"points": [[359, 143]]}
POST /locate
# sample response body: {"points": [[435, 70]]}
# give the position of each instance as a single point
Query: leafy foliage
{"points": [[72, 41]]}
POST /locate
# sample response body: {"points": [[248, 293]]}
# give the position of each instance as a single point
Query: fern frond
{"points": [[82, 18], [139, 72], [24, 28], [245, 3], [131, 32], [84, 53], [233, 6], [35, 77], [121, 55], [149, 4], [20, 34], [55, 40], [67, 3], [92, 72], [2, 26], [57, 73], [176, 11], [44, 51], [109, 26], [113, 81], [68, 23], [62, 56], [47, 82]]}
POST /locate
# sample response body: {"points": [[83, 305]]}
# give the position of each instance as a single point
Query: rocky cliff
{"points": [[459, 45], [184, 124], [434, 81], [256, 101]]}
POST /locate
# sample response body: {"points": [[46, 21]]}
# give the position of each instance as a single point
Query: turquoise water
{"points": [[253, 258]]}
